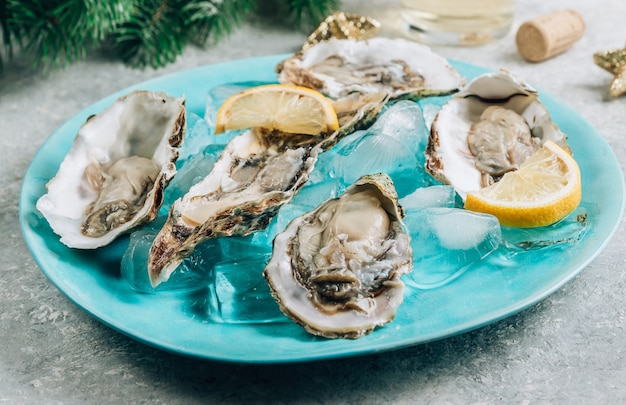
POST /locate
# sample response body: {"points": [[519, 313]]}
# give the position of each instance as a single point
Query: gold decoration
{"points": [[343, 26], [614, 61]]}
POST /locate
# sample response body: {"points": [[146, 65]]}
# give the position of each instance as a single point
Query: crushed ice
{"points": [[446, 240]]}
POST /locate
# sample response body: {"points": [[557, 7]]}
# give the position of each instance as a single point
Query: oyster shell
{"points": [[256, 174], [490, 127], [336, 270], [114, 175], [397, 67]]}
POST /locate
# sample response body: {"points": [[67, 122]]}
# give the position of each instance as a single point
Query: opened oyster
{"points": [[114, 175], [397, 67], [487, 129], [336, 270], [258, 172]]}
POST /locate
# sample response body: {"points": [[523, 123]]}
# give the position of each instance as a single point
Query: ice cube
{"points": [[431, 106], [430, 197], [262, 240], [193, 273], [240, 294], [192, 172], [233, 247], [457, 229], [568, 230], [324, 169], [288, 213], [312, 195], [265, 238], [197, 137], [393, 145], [446, 241]]}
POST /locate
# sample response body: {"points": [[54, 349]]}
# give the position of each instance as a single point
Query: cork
{"points": [[548, 35]]}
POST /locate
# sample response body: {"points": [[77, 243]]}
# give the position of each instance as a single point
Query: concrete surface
{"points": [[570, 348]]}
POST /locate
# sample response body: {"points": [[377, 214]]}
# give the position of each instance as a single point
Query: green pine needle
{"points": [[56, 32], [215, 19], [143, 32], [153, 36], [311, 12], [5, 34], [158, 31]]}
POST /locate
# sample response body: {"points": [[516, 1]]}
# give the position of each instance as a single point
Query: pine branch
{"points": [[5, 33], [33, 23], [160, 29], [61, 31], [142, 32], [215, 19], [99, 18], [311, 12], [154, 35]]}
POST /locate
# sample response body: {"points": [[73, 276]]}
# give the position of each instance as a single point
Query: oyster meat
{"points": [[487, 129], [397, 67], [114, 175], [336, 270], [258, 172]]}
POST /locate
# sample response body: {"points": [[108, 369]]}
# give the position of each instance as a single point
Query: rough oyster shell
{"points": [[336, 270], [114, 175], [397, 67], [256, 174], [517, 124]]}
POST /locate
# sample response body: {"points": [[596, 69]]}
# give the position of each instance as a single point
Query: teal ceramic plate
{"points": [[487, 293]]}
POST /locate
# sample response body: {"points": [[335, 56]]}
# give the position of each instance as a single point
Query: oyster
{"points": [[487, 129], [258, 172], [114, 175], [336, 270], [397, 67]]}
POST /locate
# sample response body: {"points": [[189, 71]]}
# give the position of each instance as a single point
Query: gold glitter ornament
{"points": [[343, 26], [614, 61]]}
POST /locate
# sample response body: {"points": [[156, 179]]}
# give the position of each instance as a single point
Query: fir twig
{"points": [[143, 32], [56, 32], [157, 32], [311, 12], [153, 36], [5, 34], [215, 19]]}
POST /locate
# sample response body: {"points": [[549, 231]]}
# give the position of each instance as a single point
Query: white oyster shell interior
{"points": [[235, 178], [257, 172], [397, 67], [244, 190], [336, 270], [116, 169], [449, 158]]}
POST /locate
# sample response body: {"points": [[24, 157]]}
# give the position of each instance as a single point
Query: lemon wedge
{"points": [[544, 189], [287, 108]]}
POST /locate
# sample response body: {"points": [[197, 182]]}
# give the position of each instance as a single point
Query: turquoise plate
{"points": [[487, 293]]}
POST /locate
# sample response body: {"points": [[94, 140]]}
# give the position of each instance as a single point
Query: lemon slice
{"points": [[287, 108], [542, 191]]}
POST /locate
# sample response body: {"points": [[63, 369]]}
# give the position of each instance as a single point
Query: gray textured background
{"points": [[570, 348]]}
